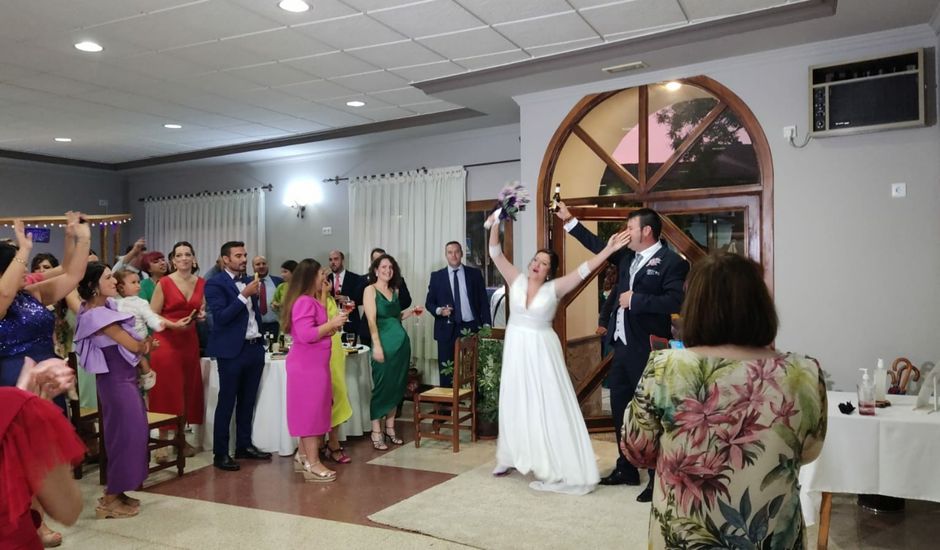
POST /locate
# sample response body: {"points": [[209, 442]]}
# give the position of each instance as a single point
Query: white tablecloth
{"points": [[893, 453], [269, 430]]}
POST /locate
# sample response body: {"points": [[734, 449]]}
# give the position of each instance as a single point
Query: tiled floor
{"points": [[266, 505]]}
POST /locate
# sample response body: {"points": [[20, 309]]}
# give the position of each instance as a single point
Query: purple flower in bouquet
{"points": [[512, 199]]}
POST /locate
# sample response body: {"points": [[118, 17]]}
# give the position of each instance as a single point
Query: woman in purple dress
{"points": [[108, 347], [309, 389]]}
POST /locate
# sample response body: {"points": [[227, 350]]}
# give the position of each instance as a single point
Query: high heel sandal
{"points": [[110, 511], [392, 436], [378, 444], [330, 454], [299, 460], [318, 477]]}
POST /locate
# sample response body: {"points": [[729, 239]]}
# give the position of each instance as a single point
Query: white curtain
{"points": [[207, 222], [412, 216]]}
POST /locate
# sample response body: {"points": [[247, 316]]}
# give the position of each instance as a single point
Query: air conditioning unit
{"points": [[868, 95]]}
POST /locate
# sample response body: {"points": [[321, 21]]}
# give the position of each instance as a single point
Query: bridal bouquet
{"points": [[512, 200]]}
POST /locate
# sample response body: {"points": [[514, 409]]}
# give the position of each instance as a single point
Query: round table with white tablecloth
{"points": [[269, 429]]}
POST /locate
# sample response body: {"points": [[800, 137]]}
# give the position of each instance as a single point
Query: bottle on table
{"points": [[866, 395]]}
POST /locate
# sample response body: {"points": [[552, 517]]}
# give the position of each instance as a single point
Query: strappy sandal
{"points": [[392, 436], [318, 477], [330, 454], [121, 511], [299, 460], [378, 444], [128, 500]]}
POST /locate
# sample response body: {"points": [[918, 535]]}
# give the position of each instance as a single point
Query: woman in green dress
{"points": [[391, 348]]}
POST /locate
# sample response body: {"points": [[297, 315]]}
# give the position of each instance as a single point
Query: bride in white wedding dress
{"points": [[541, 429]]}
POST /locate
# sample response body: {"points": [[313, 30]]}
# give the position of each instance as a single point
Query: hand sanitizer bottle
{"points": [[866, 395], [881, 383]]}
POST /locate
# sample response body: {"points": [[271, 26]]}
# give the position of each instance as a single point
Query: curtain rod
{"points": [[422, 169], [151, 198], [336, 180], [507, 161]]}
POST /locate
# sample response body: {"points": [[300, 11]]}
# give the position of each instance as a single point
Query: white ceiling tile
{"points": [[428, 71], [218, 82], [485, 61], [372, 82], [633, 16], [538, 51], [401, 96], [369, 5], [350, 32], [281, 44], [320, 10], [371, 102], [220, 55], [9, 73], [547, 30], [706, 9], [431, 107], [387, 113], [468, 43], [300, 125], [317, 89], [160, 65], [15, 94], [331, 65], [275, 100], [55, 84], [396, 55], [500, 11], [327, 116], [271, 74], [256, 131], [427, 18]]}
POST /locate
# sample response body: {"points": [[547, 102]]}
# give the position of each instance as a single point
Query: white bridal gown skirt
{"points": [[541, 428]]}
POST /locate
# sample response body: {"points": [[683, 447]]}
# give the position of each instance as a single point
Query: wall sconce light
{"points": [[302, 193]]}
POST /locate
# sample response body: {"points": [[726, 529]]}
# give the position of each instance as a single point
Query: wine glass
{"points": [[349, 305], [349, 339], [418, 310], [451, 314]]}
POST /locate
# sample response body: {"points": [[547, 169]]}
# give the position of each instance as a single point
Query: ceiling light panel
{"points": [[294, 6], [547, 30], [428, 18], [319, 10], [632, 16], [501, 11], [468, 43]]}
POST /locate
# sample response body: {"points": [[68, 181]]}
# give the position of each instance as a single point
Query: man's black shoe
{"points": [[252, 453], [618, 477], [646, 495], [225, 462]]}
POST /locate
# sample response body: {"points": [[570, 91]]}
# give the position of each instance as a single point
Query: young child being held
{"points": [[128, 286]]}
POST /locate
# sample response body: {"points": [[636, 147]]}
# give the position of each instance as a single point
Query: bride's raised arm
{"points": [[566, 284], [506, 269]]}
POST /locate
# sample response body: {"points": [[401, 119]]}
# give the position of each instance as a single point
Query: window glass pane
{"points": [[714, 231], [608, 124], [724, 156]]}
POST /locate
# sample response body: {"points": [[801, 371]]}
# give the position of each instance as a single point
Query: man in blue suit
{"points": [[236, 342], [457, 299], [650, 288]]}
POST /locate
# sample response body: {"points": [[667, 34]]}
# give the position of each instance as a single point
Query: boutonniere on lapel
{"points": [[654, 262]]}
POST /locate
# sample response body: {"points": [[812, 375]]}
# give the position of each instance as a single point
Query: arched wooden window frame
{"points": [[644, 193]]}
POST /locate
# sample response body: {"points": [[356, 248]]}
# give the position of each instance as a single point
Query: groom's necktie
{"points": [[458, 315], [634, 267]]}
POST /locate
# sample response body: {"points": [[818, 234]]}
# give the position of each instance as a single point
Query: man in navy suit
{"points": [[346, 283], [268, 284], [457, 299], [236, 343], [650, 288]]}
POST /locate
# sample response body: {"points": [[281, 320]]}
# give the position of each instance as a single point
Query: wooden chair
{"points": [[657, 343], [461, 399], [85, 421]]}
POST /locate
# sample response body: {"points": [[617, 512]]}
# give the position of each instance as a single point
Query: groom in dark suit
{"points": [[650, 289], [236, 342], [457, 299]]}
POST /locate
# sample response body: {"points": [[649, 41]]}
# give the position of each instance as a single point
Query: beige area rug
{"points": [[482, 511], [438, 456]]}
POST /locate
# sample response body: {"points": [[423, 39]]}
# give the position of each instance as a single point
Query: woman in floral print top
{"points": [[728, 421]]}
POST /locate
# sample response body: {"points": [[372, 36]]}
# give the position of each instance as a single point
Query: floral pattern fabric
{"points": [[727, 439]]}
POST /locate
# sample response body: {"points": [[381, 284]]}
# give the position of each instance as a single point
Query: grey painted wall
{"points": [[290, 237], [856, 271], [37, 189]]}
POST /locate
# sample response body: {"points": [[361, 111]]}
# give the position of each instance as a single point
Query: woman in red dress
{"points": [[179, 296], [38, 447]]}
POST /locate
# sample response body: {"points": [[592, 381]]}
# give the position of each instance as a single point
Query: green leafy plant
{"points": [[489, 369]]}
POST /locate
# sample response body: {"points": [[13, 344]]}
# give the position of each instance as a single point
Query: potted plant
{"points": [[489, 368]]}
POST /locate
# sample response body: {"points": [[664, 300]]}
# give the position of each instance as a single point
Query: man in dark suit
{"points": [[346, 283], [268, 284], [236, 343], [404, 298], [457, 299], [650, 288]]}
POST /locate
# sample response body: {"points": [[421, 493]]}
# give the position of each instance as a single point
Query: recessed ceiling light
{"points": [[356, 103], [295, 6], [673, 86], [88, 46], [63, 140], [173, 126]]}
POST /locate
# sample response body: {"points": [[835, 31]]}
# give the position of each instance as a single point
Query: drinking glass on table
{"points": [[349, 339]]}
